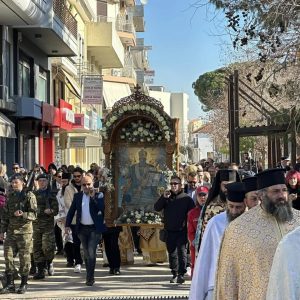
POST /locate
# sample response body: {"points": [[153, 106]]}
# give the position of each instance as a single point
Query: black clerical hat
{"points": [[228, 175], [235, 192], [250, 184], [270, 177]]}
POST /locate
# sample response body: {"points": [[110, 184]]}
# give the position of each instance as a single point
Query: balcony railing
{"points": [[121, 23], [62, 12], [127, 71], [125, 25]]}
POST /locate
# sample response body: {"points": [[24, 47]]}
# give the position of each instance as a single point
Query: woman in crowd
{"points": [[293, 184], [192, 220]]}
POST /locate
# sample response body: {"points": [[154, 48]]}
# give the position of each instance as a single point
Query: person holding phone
{"points": [[89, 208], [176, 204]]}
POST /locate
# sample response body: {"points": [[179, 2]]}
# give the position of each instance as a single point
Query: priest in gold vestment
{"points": [[250, 241]]}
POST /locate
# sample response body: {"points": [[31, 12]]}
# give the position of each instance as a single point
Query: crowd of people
{"points": [[223, 222]]}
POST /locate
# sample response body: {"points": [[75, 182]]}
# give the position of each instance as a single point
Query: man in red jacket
{"points": [[192, 221]]}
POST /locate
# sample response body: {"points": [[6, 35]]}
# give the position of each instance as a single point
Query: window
{"points": [[7, 71], [42, 85], [25, 76]]}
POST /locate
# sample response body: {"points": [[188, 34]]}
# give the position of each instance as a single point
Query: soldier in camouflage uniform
{"points": [[43, 228], [16, 221]]}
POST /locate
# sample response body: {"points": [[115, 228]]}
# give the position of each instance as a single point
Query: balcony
{"points": [[124, 75], [137, 13], [130, 3], [104, 44], [126, 30], [86, 8], [6, 103], [56, 33], [25, 12]]}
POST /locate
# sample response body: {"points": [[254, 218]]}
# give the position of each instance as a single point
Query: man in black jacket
{"points": [[176, 205]]}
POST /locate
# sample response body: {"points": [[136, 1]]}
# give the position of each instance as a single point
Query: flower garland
{"points": [[141, 131], [139, 216], [137, 108]]}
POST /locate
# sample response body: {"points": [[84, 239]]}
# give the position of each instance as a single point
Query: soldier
{"points": [[18, 214], [43, 228]]}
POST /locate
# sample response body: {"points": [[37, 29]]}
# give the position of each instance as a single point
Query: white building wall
{"points": [[179, 109], [164, 98]]}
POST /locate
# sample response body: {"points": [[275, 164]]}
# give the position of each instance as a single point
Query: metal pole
{"points": [[236, 152]]}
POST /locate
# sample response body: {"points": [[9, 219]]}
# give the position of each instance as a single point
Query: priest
{"points": [[250, 242], [203, 281], [284, 282], [251, 196]]}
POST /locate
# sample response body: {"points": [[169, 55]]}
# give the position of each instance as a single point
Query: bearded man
{"points": [[203, 281], [250, 242]]}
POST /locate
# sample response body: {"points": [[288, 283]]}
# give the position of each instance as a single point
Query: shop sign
{"points": [[92, 89], [77, 142], [69, 115]]}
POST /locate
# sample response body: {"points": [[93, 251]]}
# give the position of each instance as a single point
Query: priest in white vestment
{"points": [[284, 282], [249, 243], [203, 281]]}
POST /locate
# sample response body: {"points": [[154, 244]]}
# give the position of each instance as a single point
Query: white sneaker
{"points": [[77, 269], [189, 271]]}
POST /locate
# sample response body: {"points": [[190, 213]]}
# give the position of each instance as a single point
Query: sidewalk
{"points": [[135, 282]]}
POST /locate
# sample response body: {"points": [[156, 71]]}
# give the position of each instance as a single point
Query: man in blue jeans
{"points": [[89, 223]]}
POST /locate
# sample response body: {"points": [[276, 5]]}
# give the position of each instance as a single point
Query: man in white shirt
{"points": [[89, 223]]}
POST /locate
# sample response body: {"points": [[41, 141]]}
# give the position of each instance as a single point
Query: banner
{"points": [[92, 86]]}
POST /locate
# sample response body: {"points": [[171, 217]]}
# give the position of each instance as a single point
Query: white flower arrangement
{"points": [[142, 135], [139, 216]]}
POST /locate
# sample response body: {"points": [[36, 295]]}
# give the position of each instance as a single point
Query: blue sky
{"points": [[184, 45]]}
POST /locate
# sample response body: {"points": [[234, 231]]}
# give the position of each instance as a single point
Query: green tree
{"points": [[209, 88]]}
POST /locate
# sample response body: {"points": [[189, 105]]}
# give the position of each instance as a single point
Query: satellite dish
{"points": [[144, 2]]}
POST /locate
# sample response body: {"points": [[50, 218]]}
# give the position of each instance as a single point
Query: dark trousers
{"points": [[73, 249], [176, 247], [58, 239], [112, 250], [89, 239], [136, 238]]}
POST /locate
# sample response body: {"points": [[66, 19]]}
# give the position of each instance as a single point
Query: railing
{"points": [[127, 72], [121, 23], [62, 12]]}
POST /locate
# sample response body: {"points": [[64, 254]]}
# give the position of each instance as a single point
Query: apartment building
{"points": [[31, 32], [50, 49], [176, 105]]}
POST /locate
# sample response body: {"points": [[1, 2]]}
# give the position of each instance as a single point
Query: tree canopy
{"points": [[209, 88]]}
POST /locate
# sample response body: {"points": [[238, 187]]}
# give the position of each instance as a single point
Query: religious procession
{"points": [[125, 180]]}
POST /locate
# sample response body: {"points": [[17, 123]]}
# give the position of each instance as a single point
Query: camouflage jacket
{"points": [[45, 199], [24, 201]]}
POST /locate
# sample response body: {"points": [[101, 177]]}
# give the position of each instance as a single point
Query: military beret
{"points": [[17, 176]]}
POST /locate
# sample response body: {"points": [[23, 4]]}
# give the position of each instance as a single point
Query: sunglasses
{"points": [[174, 183], [87, 184], [15, 168]]}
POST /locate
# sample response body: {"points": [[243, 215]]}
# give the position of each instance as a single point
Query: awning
{"points": [[72, 85], [114, 91], [7, 127]]}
